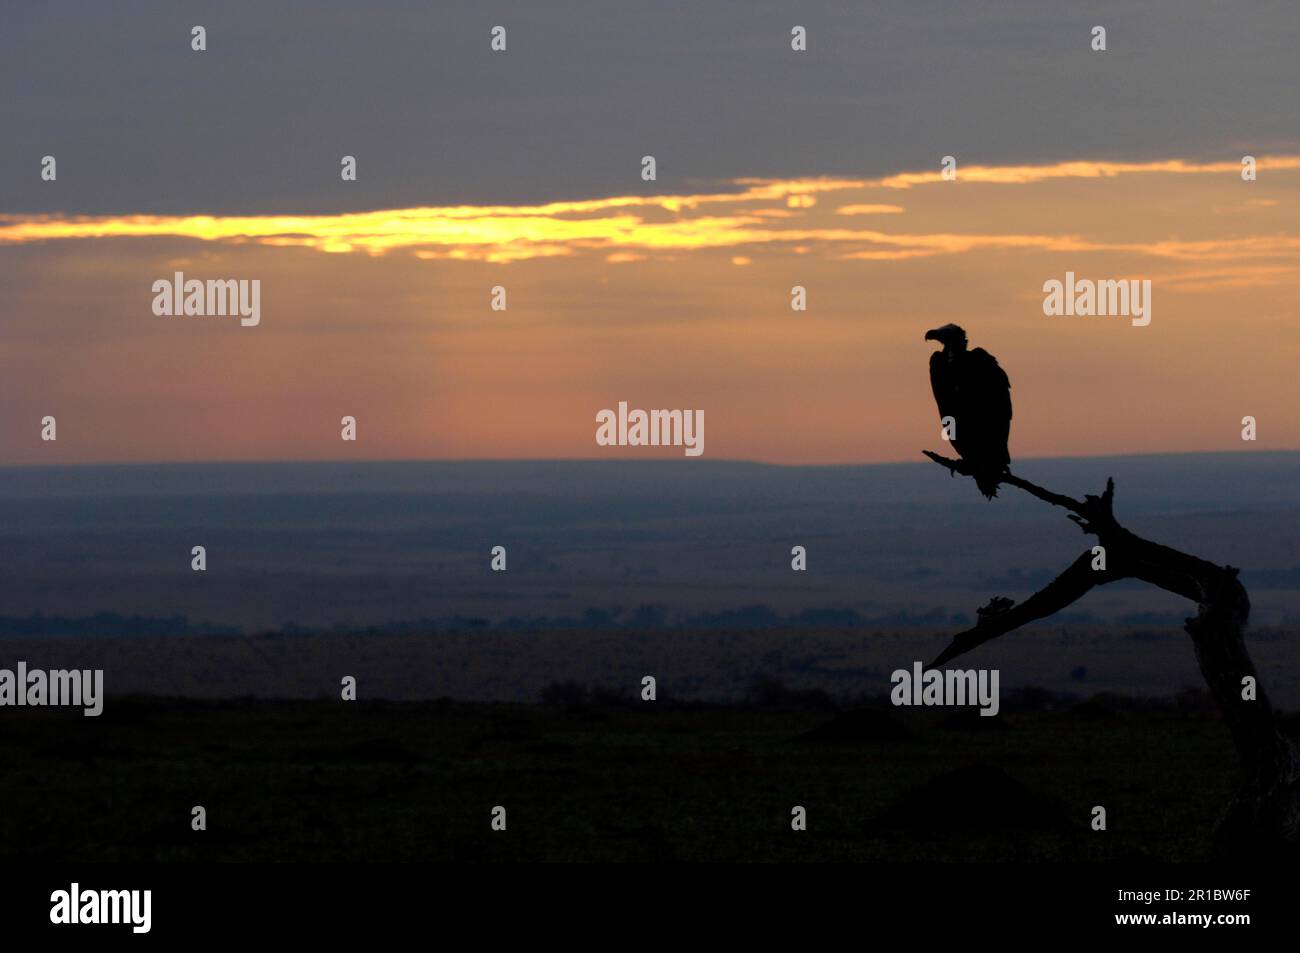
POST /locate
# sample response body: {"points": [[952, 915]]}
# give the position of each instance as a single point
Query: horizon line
{"points": [[87, 464]]}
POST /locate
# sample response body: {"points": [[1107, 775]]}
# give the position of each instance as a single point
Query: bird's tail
{"points": [[987, 481]]}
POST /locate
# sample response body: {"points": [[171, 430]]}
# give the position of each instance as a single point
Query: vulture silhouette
{"points": [[971, 388]]}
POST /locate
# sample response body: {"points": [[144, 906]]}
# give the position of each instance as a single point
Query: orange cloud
{"points": [[744, 212], [1088, 169], [869, 210]]}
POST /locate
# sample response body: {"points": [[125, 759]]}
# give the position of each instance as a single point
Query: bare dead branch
{"points": [[1056, 499], [1001, 616]]}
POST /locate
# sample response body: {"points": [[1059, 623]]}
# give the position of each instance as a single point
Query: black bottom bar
{"points": [[610, 904]]}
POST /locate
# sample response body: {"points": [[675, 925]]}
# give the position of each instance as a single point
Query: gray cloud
{"points": [[257, 124]]}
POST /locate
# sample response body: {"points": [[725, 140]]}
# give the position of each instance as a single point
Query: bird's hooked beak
{"points": [[932, 334]]}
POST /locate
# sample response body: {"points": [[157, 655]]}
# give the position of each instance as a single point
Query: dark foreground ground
{"points": [[586, 780]]}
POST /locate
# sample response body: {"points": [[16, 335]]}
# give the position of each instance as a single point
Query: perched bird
{"points": [[974, 391]]}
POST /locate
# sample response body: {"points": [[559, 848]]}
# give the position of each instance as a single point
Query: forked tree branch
{"points": [[1264, 818]]}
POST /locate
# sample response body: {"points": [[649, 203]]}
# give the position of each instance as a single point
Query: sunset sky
{"points": [[522, 169]]}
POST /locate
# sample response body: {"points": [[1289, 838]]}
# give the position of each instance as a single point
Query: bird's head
{"points": [[951, 336]]}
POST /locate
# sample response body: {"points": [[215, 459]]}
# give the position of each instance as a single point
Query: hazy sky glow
{"points": [[673, 301]]}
